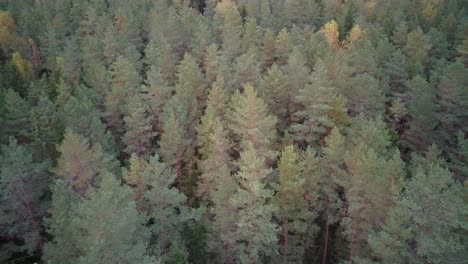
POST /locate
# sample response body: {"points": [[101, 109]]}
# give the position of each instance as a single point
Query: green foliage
{"points": [[351, 93], [250, 121], [23, 183], [254, 213], [105, 221]]}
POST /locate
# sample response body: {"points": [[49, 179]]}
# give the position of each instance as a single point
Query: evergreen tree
{"points": [[283, 47], [105, 221], [427, 225], [80, 165], [166, 211], [16, 115], [247, 68], [139, 132], [23, 183], [268, 50], [217, 165], [250, 121], [125, 81], [46, 131], [80, 115], [422, 109], [215, 109], [255, 232], [274, 91], [298, 76], [316, 100], [158, 94], [231, 28], [174, 138], [371, 187], [251, 35], [292, 209], [452, 105]]}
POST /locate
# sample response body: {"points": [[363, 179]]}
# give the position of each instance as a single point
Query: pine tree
{"points": [[323, 174], [283, 47], [174, 138], [190, 82], [417, 47], [371, 187], [274, 91], [106, 221], [255, 233], [231, 28], [452, 105], [216, 186], [250, 121], [215, 109], [158, 94], [292, 209], [247, 68], [16, 115], [427, 226], [268, 50], [138, 128], [80, 115], [46, 131], [316, 100], [166, 206], [251, 34], [422, 109], [159, 54], [23, 183], [125, 81], [365, 96], [80, 165], [217, 164]]}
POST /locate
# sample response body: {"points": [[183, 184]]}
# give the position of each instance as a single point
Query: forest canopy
{"points": [[233, 131]]}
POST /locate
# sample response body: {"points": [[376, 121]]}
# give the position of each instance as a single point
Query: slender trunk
{"points": [[27, 204], [326, 242], [179, 168], [250, 251], [285, 240]]}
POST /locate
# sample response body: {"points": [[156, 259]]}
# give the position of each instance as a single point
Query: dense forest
{"points": [[233, 131]]}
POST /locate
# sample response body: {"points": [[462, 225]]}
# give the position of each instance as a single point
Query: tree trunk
{"points": [[285, 240], [179, 168], [324, 260]]}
